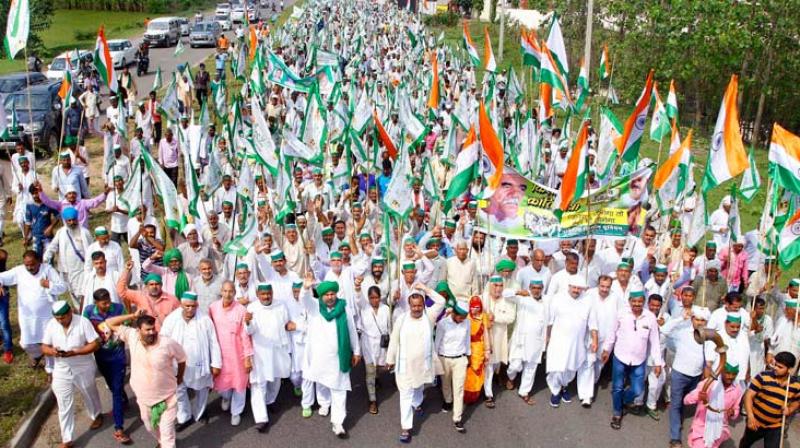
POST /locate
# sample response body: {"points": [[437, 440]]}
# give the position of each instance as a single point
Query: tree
{"points": [[41, 17]]}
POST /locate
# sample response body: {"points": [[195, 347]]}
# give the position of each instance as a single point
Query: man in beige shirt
{"points": [[460, 273]]}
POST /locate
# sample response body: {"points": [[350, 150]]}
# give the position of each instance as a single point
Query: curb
{"points": [[28, 431]]}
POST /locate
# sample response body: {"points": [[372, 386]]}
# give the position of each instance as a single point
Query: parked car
{"points": [[224, 21], [237, 13], [42, 122], [184, 25], [205, 33], [252, 14], [55, 70], [223, 8], [163, 31], [122, 52], [14, 82]]}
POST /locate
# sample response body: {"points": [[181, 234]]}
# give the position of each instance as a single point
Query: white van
{"points": [[163, 31]]}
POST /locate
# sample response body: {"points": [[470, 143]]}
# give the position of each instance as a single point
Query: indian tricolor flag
{"points": [[789, 246], [489, 63], [728, 158], [470, 47], [659, 125], [253, 44], [551, 74], [672, 102], [574, 181], [531, 53], [545, 102], [103, 62], [492, 150], [383, 136], [466, 163], [667, 181], [65, 91], [784, 158], [630, 140], [433, 99], [604, 69], [17, 27]]}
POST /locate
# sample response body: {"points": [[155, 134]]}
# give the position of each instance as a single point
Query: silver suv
{"points": [[204, 34]]}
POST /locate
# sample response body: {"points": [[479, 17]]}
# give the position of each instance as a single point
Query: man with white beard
{"points": [[570, 319], [528, 340], [268, 324], [194, 331]]}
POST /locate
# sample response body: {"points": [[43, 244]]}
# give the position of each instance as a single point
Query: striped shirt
{"points": [[769, 398]]}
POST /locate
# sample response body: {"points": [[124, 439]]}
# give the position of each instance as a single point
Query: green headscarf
{"points": [[342, 332], [182, 282]]}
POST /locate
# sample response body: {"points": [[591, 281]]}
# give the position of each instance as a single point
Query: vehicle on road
{"points": [[237, 13], [14, 82], [56, 68], [42, 121], [122, 52], [252, 14], [163, 31], [205, 34], [184, 24], [223, 8], [224, 20]]}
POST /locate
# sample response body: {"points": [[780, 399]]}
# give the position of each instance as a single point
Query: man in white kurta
{"points": [[115, 261], [605, 306], [528, 339], [501, 313], [71, 243], [71, 340], [267, 322], [41, 286], [99, 278], [195, 332], [411, 350], [570, 319], [323, 363]]}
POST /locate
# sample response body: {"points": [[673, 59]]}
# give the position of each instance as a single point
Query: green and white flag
{"points": [[263, 144], [9, 127], [734, 220], [291, 146], [122, 121], [212, 177], [610, 131], [659, 125], [462, 115], [17, 27], [314, 130], [363, 113], [173, 212], [131, 196], [220, 100], [169, 105], [429, 183], [157, 80], [751, 179], [515, 90], [179, 48], [242, 242], [397, 200], [285, 200], [246, 183], [192, 185], [699, 223], [415, 129]]}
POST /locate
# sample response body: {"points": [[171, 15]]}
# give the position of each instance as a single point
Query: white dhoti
{"points": [[559, 380], [491, 369], [236, 399], [528, 370], [261, 396], [64, 386], [335, 400], [586, 378], [410, 399], [189, 408]]}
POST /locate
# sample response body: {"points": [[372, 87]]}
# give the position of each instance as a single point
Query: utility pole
{"points": [[502, 5], [587, 51]]}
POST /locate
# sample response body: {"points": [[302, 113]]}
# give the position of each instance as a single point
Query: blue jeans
{"points": [[620, 395], [113, 370], [5, 322], [681, 386]]}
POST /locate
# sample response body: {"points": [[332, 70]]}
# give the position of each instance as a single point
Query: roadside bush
{"points": [[84, 35], [445, 19]]}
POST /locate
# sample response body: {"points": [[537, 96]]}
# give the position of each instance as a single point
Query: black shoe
{"points": [[181, 426], [459, 426], [273, 408], [261, 427], [447, 407]]}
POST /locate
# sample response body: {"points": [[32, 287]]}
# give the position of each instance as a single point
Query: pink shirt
{"points": [[735, 272], [632, 335], [153, 377], [235, 344], [733, 396], [168, 153], [158, 308]]}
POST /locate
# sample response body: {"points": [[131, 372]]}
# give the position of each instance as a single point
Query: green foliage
{"points": [[448, 18], [41, 17], [84, 35]]}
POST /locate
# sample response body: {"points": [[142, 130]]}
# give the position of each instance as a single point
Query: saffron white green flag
{"points": [[103, 62], [610, 131], [789, 247], [667, 178], [17, 27], [672, 102], [784, 158], [751, 180], [659, 125], [466, 167], [555, 42]]}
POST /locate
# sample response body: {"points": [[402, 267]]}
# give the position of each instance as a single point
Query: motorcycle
{"points": [[142, 64]]}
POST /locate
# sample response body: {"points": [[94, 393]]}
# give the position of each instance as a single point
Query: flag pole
{"points": [[30, 108], [788, 383]]}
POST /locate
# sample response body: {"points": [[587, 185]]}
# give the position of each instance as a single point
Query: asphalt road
{"points": [[511, 424]]}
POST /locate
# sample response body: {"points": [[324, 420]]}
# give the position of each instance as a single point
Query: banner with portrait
{"points": [[523, 209]]}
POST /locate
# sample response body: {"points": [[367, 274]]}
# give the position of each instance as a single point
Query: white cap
{"points": [[701, 312], [578, 281]]}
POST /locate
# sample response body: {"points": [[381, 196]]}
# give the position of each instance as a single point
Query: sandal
{"points": [[616, 422], [528, 400], [489, 402], [121, 437]]}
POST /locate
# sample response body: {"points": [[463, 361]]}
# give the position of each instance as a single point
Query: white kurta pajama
{"points": [[199, 340], [567, 355], [321, 361], [504, 313], [298, 315], [411, 350], [75, 372], [527, 340], [271, 360]]}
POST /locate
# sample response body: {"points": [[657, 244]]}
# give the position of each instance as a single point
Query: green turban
{"points": [[326, 287], [505, 265]]}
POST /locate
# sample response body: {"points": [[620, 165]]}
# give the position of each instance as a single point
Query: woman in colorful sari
{"points": [[480, 350]]}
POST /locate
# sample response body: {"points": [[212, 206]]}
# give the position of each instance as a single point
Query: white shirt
{"points": [[452, 339], [79, 333], [688, 353]]}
